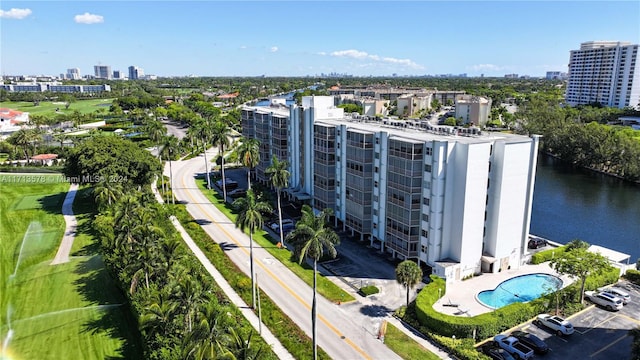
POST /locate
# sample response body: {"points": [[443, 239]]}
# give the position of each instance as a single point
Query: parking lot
{"points": [[599, 333]]}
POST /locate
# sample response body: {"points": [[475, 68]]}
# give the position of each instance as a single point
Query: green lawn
{"points": [[48, 108], [325, 287], [66, 311], [406, 347]]}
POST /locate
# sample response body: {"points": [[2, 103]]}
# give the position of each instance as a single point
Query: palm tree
{"points": [[250, 217], [409, 274], [201, 130], [220, 135], [107, 193], [170, 145], [23, 138], [279, 179], [156, 132], [249, 154], [310, 238]]}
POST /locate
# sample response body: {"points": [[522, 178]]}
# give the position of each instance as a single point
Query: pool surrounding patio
{"points": [[460, 298], [522, 288]]}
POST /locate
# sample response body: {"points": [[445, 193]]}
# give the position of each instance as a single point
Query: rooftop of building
{"points": [[590, 45], [419, 130]]}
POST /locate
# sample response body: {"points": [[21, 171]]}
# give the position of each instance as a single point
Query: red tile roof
{"points": [[44, 157]]}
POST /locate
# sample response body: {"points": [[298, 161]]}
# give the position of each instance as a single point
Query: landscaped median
{"points": [[325, 287], [287, 332]]}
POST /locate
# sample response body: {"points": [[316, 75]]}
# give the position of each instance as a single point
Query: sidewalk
{"points": [[62, 256], [234, 298]]}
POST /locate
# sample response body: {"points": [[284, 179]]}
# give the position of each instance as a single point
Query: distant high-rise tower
{"points": [[605, 72], [102, 71], [135, 72], [73, 74], [117, 74]]}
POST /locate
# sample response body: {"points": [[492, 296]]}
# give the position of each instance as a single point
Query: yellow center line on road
{"points": [[273, 276], [610, 345]]}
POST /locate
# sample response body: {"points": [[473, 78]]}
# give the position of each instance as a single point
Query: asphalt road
{"points": [[342, 332]]}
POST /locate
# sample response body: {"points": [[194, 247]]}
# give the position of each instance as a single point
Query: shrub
{"points": [[633, 276], [369, 290], [546, 255], [609, 276]]}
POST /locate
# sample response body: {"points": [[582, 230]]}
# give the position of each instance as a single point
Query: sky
{"points": [[299, 38]]}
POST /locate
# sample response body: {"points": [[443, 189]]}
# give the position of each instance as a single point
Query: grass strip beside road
{"points": [[287, 332], [325, 287], [405, 346]]}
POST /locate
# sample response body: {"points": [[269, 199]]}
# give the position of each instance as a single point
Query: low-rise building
{"points": [[473, 109]]}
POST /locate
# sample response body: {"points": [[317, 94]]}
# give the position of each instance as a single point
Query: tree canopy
{"points": [[111, 158]]}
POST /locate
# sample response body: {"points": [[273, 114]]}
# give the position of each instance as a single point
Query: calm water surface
{"points": [[572, 204]]}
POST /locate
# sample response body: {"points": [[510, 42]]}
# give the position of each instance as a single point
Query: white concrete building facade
{"points": [[605, 72], [459, 202]]}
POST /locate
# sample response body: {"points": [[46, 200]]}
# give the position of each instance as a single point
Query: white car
{"points": [[555, 323], [285, 223], [617, 292], [606, 300]]}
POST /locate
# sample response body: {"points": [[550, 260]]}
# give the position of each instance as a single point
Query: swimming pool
{"points": [[519, 289]]}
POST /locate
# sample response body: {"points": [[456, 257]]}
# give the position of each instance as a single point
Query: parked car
{"points": [[555, 323], [606, 300], [237, 193], [538, 345], [229, 184], [276, 225], [617, 292], [537, 243], [514, 346], [496, 353]]}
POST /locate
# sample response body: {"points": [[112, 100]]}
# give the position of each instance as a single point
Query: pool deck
{"points": [[464, 293]]}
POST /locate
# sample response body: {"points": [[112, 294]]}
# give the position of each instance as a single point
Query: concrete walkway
{"points": [[246, 311], [62, 256]]}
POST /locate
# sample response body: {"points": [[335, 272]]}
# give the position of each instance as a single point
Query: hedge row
{"points": [[547, 255], [633, 276], [488, 324], [485, 325]]}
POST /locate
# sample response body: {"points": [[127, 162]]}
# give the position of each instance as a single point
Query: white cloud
{"points": [[357, 54], [486, 67], [273, 49], [243, 47], [322, 53], [15, 13], [87, 18]]}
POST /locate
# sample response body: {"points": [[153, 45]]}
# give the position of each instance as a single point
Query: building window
{"points": [[425, 217], [377, 140], [423, 248], [375, 198], [376, 169], [425, 233], [375, 212], [375, 226], [428, 151], [427, 168], [375, 184], [426, 201]]}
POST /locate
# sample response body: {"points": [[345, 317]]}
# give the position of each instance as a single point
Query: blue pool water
{"points": [[519, 289]]}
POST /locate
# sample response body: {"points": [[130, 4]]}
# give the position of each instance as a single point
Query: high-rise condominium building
{"points": [[135, 73], [73, 74], [102, 71], [456, 199], [605, 72]]}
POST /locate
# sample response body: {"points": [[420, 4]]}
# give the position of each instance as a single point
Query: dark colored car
{"points": [[496, 353], [237, 193], [538, 345], [537, 243]]}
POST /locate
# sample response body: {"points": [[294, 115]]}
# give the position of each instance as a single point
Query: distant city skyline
{"points": [[285, 38]]}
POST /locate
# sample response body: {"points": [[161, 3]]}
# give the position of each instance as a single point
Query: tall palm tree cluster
{"points": [[181, 312]]}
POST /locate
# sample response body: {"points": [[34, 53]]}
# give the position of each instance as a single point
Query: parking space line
{"points": [[629, 318], [610, 345], [598, 324]]}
